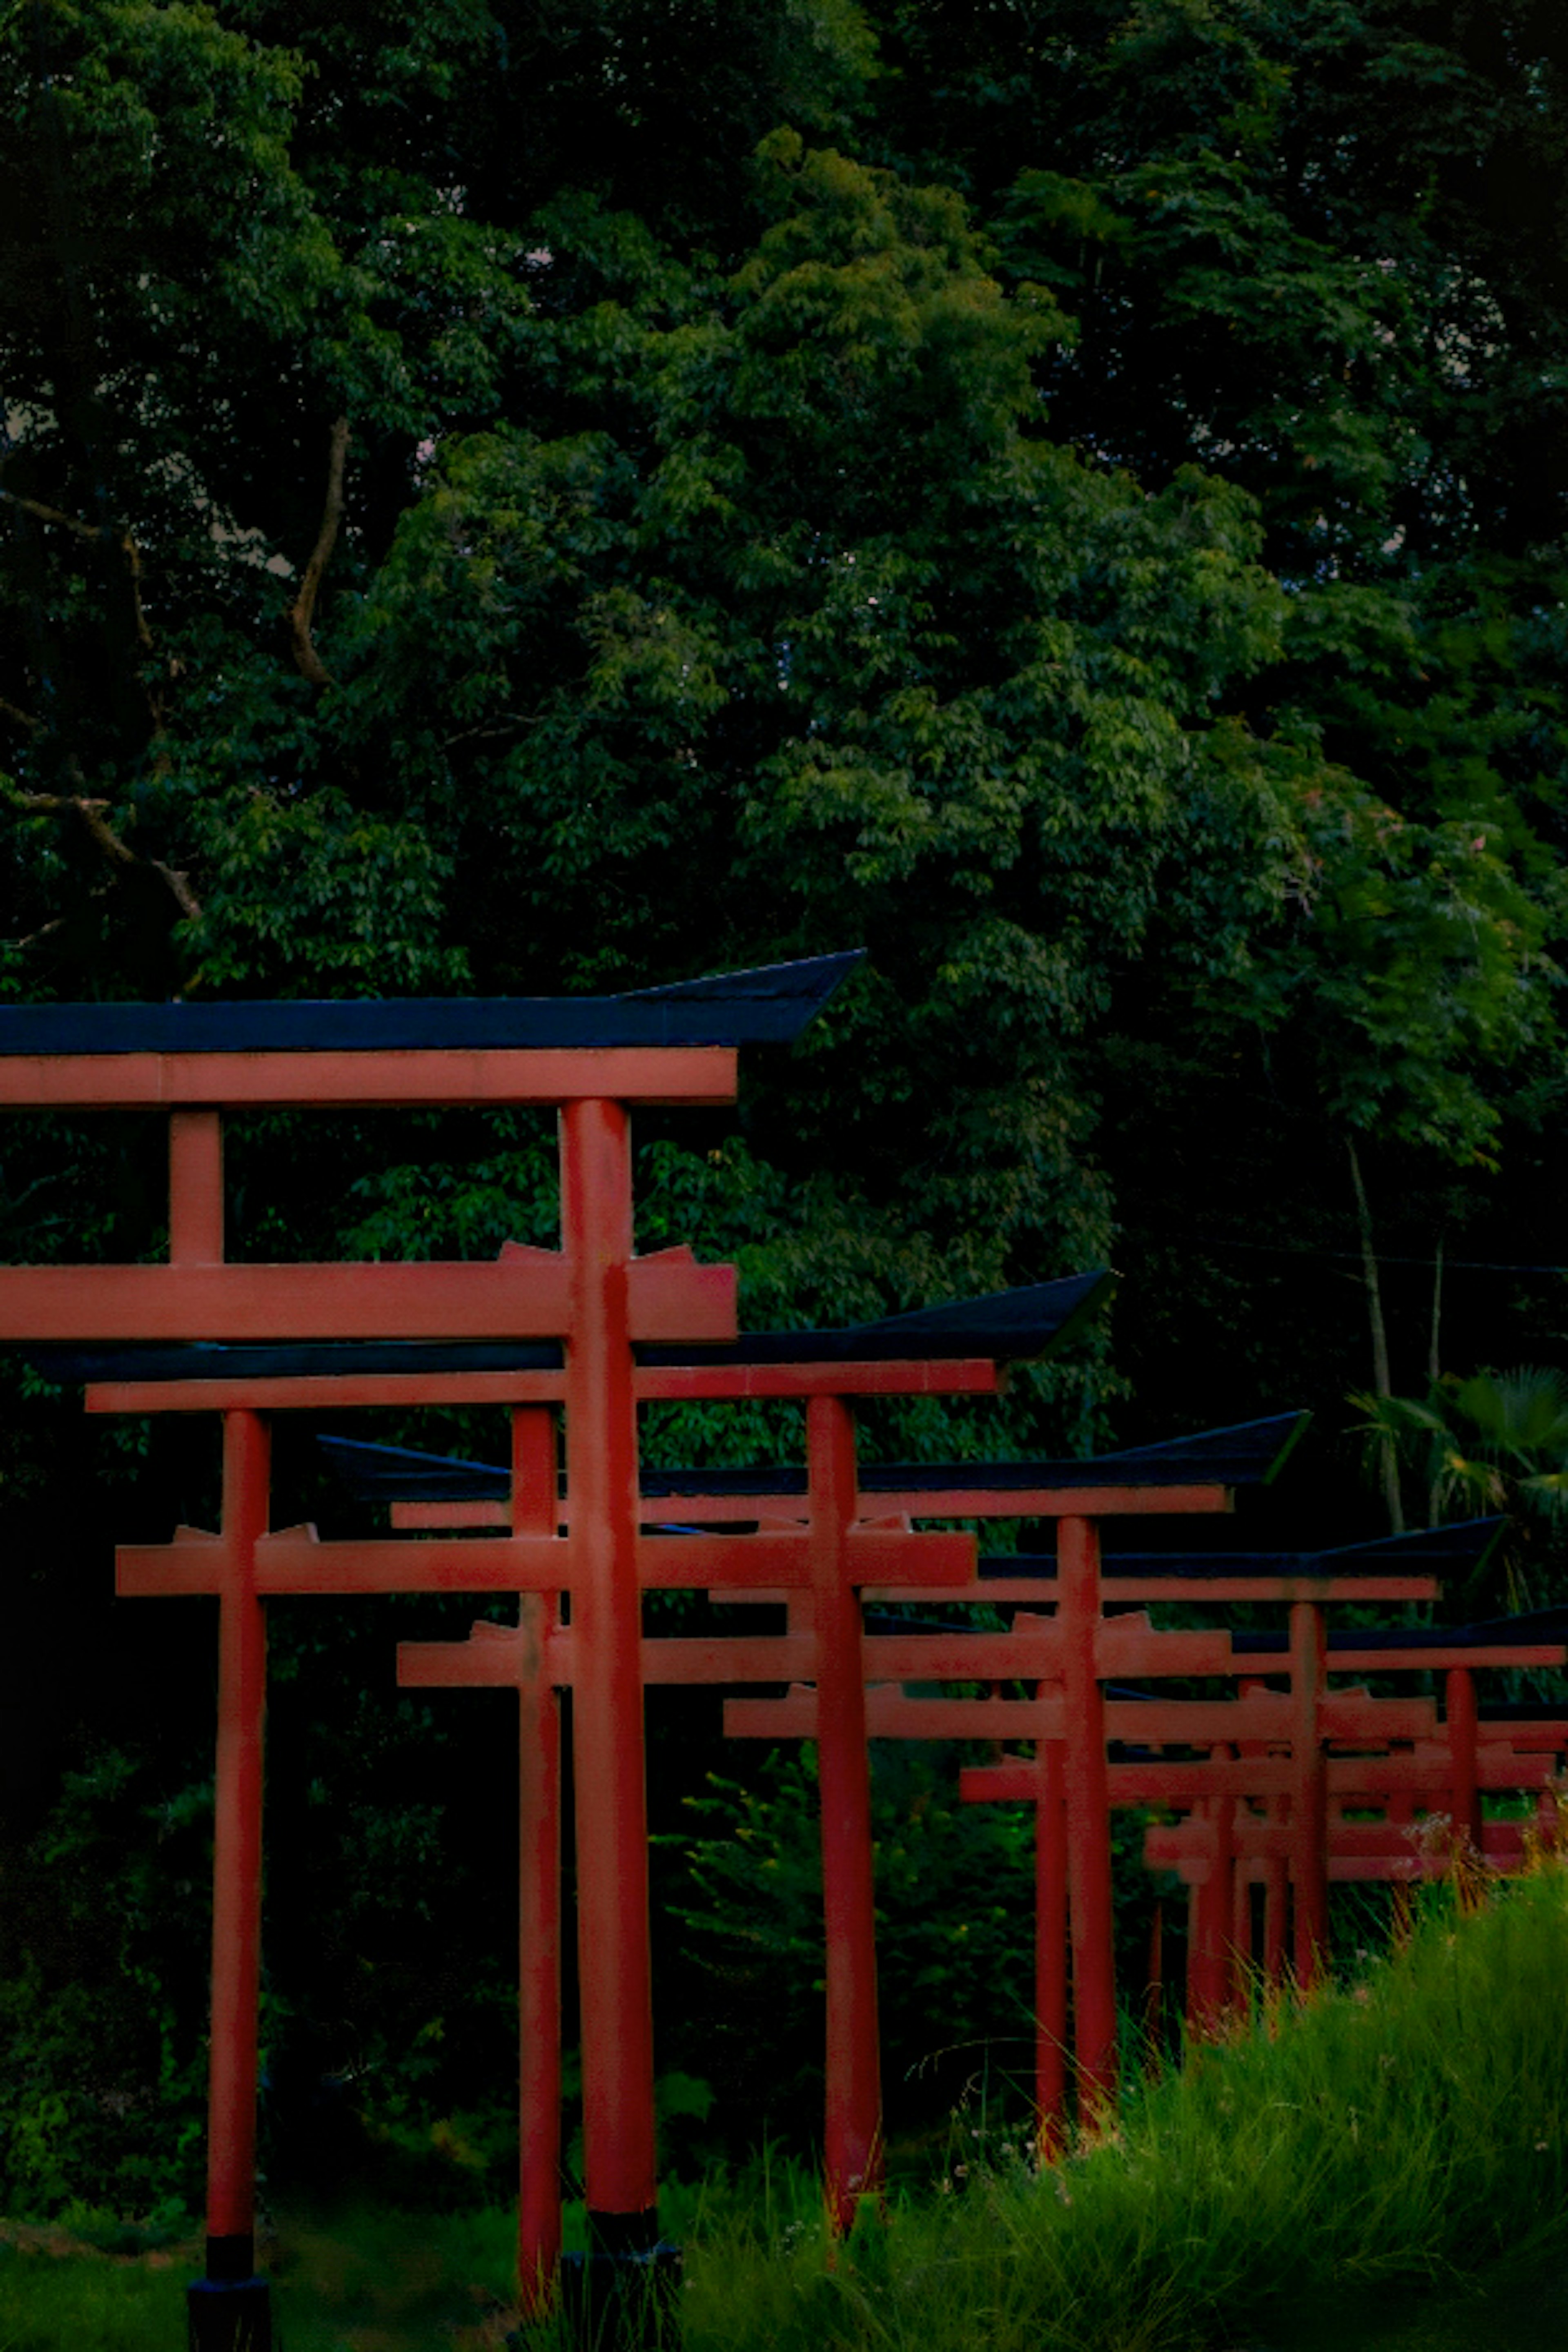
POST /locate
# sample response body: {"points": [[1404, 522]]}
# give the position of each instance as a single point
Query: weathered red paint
{"points": [[1459, 1692], [307, 1392], [237, 1836], [455, 1075], [1051, 1949], [533, 1504], [1088, 1790], [1053, 1502], [1211, 1915], [853, 2136], [1308, 1796], [519, 1656], [613, 1935], [1041, 1649], [598, 1297], [195, 1188], [1259, 1839], [524, 1296], [326, 1392], [295, 1560]]}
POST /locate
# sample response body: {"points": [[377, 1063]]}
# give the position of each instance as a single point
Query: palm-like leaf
{"points": [[1493, 1442]]}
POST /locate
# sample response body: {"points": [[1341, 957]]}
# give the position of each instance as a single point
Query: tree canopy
{"points": [[550, 498], [507, 497]]}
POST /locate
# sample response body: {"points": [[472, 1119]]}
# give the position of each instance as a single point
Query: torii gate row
{"points": [[1350, 1716], [1225, 1827], [1389, 1569], [592, 1057], [1473, 1754], [1078, 1646], [1308, 1715], [245, 1565], [1224, 1848], [1300, 1722]]}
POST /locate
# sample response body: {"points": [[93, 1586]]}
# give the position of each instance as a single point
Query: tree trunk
{"points": [[1380, 1382], [1434, 1373]]}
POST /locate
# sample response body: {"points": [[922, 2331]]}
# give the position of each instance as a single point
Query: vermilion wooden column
{"points": [[231, 2305], [1309, 1800], [1459, 1707], [1239, 1973], [1275, 1900], [613, 1937], [519, 1658], [1034, 1651], [1050, 1950], [195, 1188], [1212, 1916], [1087, 1792], [1275, 1872], [533, 1512], [236, 1871], [853, 2124]]}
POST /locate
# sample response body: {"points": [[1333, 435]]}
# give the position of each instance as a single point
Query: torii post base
{"points": [[230, 2310], [622, 2296]]}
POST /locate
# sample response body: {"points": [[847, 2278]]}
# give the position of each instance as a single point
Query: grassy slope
{"points": [[1416, 2130], [1415, 2127]]}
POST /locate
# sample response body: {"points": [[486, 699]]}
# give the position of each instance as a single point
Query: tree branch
{"points": [[31, 938], [132, 555], [89, 810], [51, 514], [1382, 1381], [510, 725], [179, 884], [121, 539], [23, 719], [302, 612]]}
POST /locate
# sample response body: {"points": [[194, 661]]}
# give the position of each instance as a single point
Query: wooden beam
{"points": [[524, 1297], [689, 1075]]}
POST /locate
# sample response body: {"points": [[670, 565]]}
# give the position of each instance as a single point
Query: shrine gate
{"points": [[592, 1059]]}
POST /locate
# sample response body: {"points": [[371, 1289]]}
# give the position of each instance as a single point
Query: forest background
{"points": [[502, 498]]}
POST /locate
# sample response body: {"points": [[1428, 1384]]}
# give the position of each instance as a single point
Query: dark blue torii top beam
{"points": [[769, 1006], [1435, 1551], [1247, 1454], [1491, 1632], [1006, 1326]]}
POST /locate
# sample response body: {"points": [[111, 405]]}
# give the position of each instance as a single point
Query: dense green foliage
{"points": [[1496, 1442], [1072, 500], [520, 498], [1371, 2172]]}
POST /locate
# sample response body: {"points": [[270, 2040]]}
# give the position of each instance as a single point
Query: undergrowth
{"points": [[1412, 2126]]}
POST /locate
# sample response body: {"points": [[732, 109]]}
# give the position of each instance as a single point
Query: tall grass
{"points": [[48, 2302], [1412, 2126]]}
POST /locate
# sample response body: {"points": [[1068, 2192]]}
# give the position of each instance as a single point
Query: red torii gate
{"points": [[1387, 1570], [1127, 1647], [1076, 1651], [539, 1654], [1185, 1476], [822, 1559], [846, 1549], [1223, 1846], [1304, 1581], [590, 1057]]}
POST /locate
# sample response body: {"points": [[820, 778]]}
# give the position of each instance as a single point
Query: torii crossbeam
{"points": [[592, 1059], [821, 1516]]}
